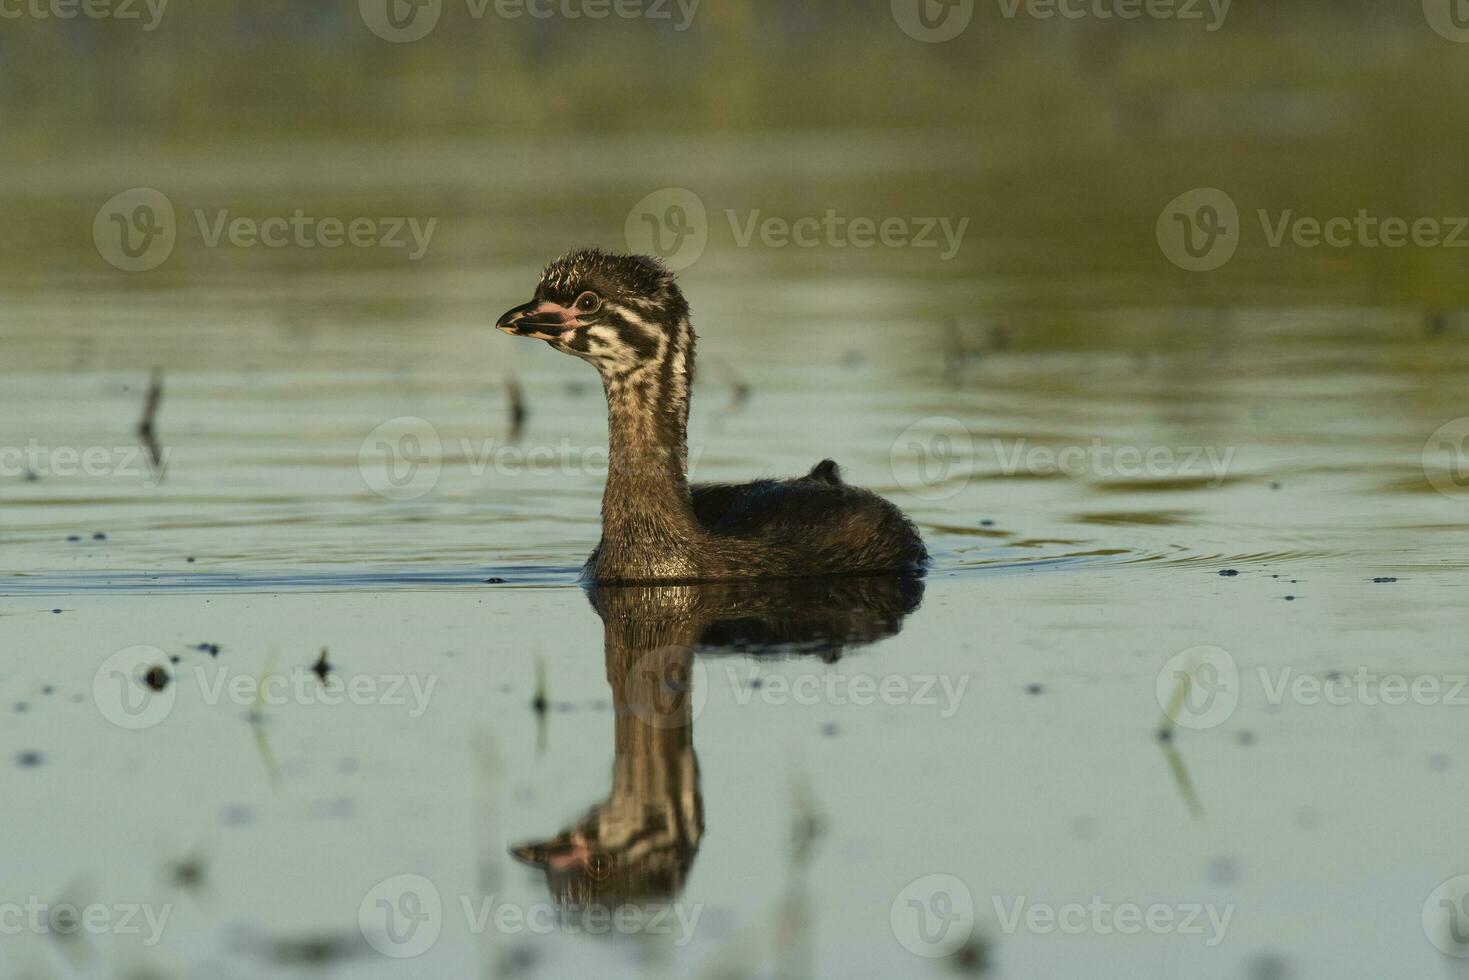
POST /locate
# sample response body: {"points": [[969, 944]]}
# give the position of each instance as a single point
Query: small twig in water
{"points": [[321, 668], [518, 410], [146, 432]]}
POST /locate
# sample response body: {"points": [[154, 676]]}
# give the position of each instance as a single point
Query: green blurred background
{"points": [[1060, 139]]}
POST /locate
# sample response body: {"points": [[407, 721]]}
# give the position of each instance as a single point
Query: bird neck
{"points": [[646, 505]]}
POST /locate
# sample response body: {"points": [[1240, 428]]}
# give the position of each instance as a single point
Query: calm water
{"points": [[340, 473]]}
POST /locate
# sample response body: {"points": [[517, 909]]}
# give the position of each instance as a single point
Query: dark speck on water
{"points": [[494, 581], [1269, 966], [237, 815], [986, 523], [29, 760], [830, 728], [99, 536], [190, 559], [73, 537], [321, 668], [1384, 578], [1034, 688], [1229, 572], [56, 610], [157, 678], [1290, 598], [1245, 738]]}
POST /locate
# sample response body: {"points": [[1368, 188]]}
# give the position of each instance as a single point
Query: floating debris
{"points": [[1034, 688], [539, 701], [156, 679], [1228, 572], [495, 581], [30, 759], [321, 668], [146, 432], [739, 388], [188, 873], [1382, 579], [972, 959], [517, 408]]}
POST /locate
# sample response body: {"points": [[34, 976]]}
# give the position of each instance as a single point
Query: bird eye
{"points": [[588, 302]]}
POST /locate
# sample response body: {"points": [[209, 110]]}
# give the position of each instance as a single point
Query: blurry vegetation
{"points": [[286, 69], [1059, 140]]}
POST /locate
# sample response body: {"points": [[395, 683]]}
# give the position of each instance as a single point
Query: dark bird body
{"points": [[627, 316]]}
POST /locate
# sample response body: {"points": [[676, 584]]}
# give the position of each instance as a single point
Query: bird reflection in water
{"points": [[638, 845]]}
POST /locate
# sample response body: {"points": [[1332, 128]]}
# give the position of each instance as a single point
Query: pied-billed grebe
{"points": [[627, 316]]}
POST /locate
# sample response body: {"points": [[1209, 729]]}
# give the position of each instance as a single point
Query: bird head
{"points": [[620, 312]]}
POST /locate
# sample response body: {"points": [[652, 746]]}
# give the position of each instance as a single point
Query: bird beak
{"points": [[541, 320]]}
